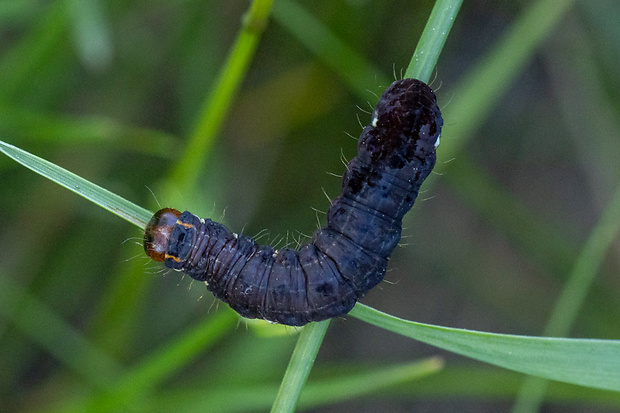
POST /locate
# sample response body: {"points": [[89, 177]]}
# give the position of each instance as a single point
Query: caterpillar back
{"points": [[347, 257]]}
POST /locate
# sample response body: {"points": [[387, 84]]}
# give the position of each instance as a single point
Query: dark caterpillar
{"points": [[349, 256]]}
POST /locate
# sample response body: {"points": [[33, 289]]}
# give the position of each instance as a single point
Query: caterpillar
{"points": [[346, 258]]}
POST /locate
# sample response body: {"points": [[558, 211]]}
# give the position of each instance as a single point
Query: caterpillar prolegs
{"points": [[346, 258]]}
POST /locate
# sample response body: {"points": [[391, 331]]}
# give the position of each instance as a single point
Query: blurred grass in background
{"points": [[110, 90]]}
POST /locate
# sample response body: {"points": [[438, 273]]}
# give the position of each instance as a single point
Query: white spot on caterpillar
{"points": [[437, 142], [375, 121]]}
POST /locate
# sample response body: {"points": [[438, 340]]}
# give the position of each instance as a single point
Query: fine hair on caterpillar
{"points": [[347, 257]]}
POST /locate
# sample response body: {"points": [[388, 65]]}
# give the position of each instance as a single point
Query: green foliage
{"points": [[524, 214]]}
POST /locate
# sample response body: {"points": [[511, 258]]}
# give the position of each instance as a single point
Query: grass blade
{"points": [[94, 193], [56, 336], [433, 38], [586, 362], [487, 81], [316, 394], [187, 170], [299, 366], [574, 293]]}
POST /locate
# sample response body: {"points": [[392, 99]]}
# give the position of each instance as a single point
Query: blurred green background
{"points": [[111, 89]]}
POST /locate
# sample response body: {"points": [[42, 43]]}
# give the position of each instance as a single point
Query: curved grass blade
{"points": [[100, 196], [586, 362]]}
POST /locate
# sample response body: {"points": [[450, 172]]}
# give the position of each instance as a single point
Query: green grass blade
{"points": [[489, 383], [188, 169], [573, 294], [353, 68], [433, 38], [299, 367], [500, 208], [139, 382], [317, 392], [359, 385], [585, 270], [586, 362], [487, 81], [94, 193], [56, 336], [28, 125]]}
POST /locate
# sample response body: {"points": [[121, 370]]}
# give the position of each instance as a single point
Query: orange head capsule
{"points": [[157, 233]]}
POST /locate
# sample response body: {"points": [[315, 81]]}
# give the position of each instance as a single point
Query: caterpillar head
{"points": [[157, 233]]}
